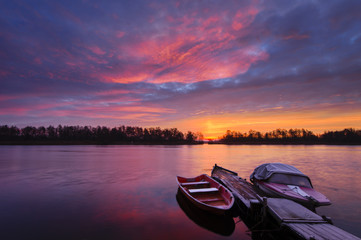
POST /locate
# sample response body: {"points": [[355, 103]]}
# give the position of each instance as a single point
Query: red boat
{"points": [[285, 181], [207, 194]]}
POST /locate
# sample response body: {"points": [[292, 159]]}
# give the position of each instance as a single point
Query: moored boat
{"points": [[207, 194], [285, 181]]}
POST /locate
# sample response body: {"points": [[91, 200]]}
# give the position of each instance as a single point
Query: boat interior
{"points": [[203, 192]]}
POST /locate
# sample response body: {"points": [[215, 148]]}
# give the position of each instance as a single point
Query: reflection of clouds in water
{"points": [[87, 191]]}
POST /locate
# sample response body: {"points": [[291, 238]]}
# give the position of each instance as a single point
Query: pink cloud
{"points": [[296, 36], [144, 109], [121, 110], [104, 105], [128, 77], [103, 113], [119, 34], [190, 50], [4, 73], [67, 14], [97, 50], [112, 92], [6, 97], [244, 17], [29, 109], [38, 61]]}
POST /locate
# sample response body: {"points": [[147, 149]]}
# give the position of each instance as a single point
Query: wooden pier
{"points": [[284, 216]]}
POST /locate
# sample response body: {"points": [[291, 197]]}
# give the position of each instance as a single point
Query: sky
{"points": [[202, 66]]}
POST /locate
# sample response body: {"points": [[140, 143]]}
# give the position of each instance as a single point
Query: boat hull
{"points": [[207, 194], [308, 197]]}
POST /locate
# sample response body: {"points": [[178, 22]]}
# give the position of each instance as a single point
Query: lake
{"points": [[130, 192]]}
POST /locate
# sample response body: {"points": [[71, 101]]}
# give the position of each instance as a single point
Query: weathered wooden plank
{"points": [[284, 210], [240, 188], [321, 231]]}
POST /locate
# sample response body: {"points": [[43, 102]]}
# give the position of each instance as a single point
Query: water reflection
{"points": [[128, 192], [223, 225]]}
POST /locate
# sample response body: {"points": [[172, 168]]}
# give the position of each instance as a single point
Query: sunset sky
{"points": [[204, 66]]}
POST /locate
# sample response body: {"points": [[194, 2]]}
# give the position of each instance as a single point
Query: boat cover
{"points": [[265, 171]]}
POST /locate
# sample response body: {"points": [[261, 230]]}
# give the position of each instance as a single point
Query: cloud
{"points": [[164, 62]]}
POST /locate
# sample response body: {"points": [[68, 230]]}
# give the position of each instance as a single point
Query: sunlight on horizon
{"points": [[215, 126]]}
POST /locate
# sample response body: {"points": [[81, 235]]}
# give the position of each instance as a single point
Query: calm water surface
{"points": [[130, 192]]}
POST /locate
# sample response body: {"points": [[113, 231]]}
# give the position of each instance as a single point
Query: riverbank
{"points": [[50, 143], [65, 143]]}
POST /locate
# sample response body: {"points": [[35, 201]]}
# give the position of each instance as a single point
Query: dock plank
{"points": [[321, 231], [238, 186], [284, 210]]}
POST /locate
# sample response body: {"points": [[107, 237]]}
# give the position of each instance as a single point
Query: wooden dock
{"points": [[288, 218]]}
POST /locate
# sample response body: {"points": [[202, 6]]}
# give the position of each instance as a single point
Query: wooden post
{"points": [[264, 207]]}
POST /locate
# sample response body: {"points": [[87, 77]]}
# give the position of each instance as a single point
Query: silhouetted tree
{"points": [[28, 133], [347, 136], [51, 132], [190, 138], [293, 136], [9, 133]]}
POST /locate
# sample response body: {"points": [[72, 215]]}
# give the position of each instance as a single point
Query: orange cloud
{"points": [[142, 117], [143, 109]]}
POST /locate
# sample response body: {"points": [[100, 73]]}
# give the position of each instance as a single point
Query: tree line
{"points": [[138, 135], [292, 136], [95, 135]]}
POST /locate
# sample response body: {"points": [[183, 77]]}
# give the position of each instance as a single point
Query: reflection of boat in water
{"points": [[223, 224], [220, 224], [207, 194], [285, 181]]}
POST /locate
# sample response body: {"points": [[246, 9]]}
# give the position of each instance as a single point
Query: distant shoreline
{"points": [[69, 143], [127, 135], [87, 143], [294, 144]]}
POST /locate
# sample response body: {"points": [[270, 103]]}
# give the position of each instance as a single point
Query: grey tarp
{"points": [[266, 170]]}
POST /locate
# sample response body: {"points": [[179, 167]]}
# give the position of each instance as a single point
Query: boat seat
{"points": [[214, 199], [203, 190], [195, 183]]}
